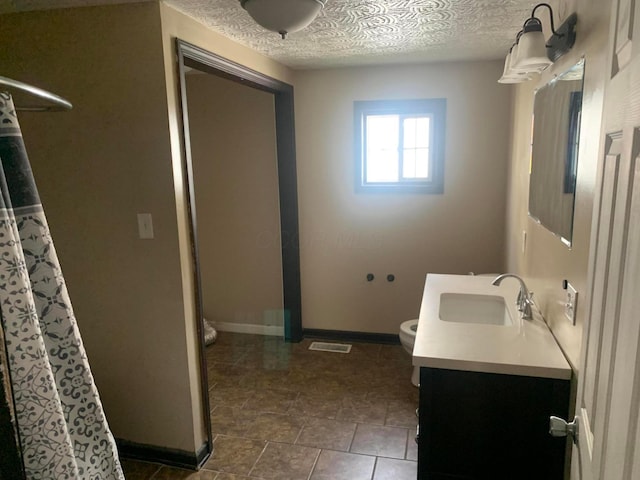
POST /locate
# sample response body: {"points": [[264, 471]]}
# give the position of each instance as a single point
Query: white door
{"points": [[608, 398]]}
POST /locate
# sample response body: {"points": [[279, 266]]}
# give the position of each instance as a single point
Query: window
{"points": [[400, 145]]}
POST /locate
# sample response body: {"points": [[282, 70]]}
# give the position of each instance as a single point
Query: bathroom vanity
{"points": [[489, 381]]}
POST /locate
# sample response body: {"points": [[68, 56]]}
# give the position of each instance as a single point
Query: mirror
{"points": [[554, 152]]}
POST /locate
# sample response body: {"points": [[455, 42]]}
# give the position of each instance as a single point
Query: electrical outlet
{"points": [[571, 304]]}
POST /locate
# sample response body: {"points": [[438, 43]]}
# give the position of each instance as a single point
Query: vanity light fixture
{"points": [[283, 16], [509, 75], [531, 53]]}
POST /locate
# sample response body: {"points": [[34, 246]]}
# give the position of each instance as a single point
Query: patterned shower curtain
{"points": [[63, 430]]}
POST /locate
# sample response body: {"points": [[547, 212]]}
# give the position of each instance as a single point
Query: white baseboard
{"points": [[270, 330]]}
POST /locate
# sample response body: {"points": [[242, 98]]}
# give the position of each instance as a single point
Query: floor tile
{"points": [[228, 396], [366, 351], [271, 401], [234, 455], [380, 441], [168, 473], [268, 359], [363, 411], [390, 469], [231, 421], [412, 446], [222, 374], [135, 470], [401, 413], [318, 381], [293, 402], [391, 353], [392, 385], [275, 427], [228, 354], [281, 461], [343, 466], [230, 476], [316, 406], [268, 379], [327, 433]]}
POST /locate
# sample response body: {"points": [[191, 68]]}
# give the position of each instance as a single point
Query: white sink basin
{"points": [[474, 308]]}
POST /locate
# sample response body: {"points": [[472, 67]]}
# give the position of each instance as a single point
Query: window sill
{"points": [[431, 189]]}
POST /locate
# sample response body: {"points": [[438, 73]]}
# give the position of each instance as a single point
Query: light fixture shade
{"points": [[507, 65], [283, 16], [532, 53], [514, 79], [509, 76]]}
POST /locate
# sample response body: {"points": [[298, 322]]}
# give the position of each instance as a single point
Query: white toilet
{"points": [[407, 339]]}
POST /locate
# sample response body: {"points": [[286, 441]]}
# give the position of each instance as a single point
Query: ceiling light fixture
{"points": [[531, 53], [283, 16]]}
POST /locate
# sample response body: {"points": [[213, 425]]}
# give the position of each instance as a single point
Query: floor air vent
{"points": [[330, 347]]}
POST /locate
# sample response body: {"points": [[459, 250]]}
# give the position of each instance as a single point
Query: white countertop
{"points": [[525, 348]]}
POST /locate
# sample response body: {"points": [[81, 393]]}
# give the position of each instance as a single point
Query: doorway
{"points": [[193, 57], [235, 177]]}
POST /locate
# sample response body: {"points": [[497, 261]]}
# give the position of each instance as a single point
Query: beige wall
{"points": [[546, 261], [233, 145], [97, 166], [115, 155], [345, 235]]}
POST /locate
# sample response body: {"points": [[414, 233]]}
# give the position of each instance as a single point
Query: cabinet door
{"points": [[481, 426]]}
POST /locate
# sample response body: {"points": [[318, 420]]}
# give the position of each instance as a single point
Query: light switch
{"points": [[145, 225]]}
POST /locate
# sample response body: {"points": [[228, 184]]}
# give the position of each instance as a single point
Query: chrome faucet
{"points": [[524, 300]]}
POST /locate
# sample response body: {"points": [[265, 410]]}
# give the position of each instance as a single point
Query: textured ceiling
{"points": [[358, 32]]}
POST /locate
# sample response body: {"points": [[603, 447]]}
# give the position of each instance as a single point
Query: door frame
{"points": [[191, 56]]}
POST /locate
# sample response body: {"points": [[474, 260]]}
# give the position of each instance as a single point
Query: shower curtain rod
{"points": [[58, 103]]}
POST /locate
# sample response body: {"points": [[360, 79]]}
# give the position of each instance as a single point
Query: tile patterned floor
{"points": [[283, 412]]}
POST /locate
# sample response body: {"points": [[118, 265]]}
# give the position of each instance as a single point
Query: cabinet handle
{"points": [[418, 434]]}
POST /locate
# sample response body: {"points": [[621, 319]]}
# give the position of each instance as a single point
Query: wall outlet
{"points": [[571, 304]]}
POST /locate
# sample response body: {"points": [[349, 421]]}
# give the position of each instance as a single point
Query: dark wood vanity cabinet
{"points": [[486, 426]]}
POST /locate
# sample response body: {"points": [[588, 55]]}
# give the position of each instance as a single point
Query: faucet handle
{"points": [[524, 301], [526, 306], [519, 301]]}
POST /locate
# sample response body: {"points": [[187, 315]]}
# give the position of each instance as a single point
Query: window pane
{"points": [[416, 132], [409, 126], [382, 132], [382, 148], [422, 163], [409, 164], [415, 163], [382, 166]]}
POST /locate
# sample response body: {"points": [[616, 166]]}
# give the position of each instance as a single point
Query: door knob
{"points": [[559, 427]]}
